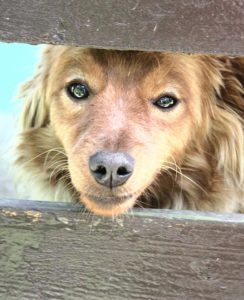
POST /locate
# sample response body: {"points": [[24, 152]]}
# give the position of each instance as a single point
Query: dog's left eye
{"points": [[78, 90], [166, 102]]}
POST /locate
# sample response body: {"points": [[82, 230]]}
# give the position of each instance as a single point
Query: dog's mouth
{"points": [[108, 200], [109, 206]]}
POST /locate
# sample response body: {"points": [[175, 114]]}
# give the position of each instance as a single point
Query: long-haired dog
{"points": [[115, 129]]}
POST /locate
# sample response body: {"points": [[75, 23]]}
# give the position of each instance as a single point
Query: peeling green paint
{"points": [[188, 215], [12, 246]]}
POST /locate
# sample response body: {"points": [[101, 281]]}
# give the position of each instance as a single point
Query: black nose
{"points": [[111, 168]]}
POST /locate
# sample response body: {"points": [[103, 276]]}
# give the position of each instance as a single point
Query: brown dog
{"points": [[114, 129]]}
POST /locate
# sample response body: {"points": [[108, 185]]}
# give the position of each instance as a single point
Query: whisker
{"points": [[178, 170]]}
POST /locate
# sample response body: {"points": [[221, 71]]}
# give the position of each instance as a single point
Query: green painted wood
{"points": [[190, 26], [58, 251], [138, 212]]}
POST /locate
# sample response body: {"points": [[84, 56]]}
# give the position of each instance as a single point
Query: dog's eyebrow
{"points": [[168, 92], [75, 77]]}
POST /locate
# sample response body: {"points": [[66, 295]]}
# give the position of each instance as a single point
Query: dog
{"points": [[117, 129]]}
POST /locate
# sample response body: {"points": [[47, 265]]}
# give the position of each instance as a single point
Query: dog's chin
{"points": [[108, 206]]}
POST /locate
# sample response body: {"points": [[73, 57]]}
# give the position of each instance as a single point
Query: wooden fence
{"points": [[58, 251]]}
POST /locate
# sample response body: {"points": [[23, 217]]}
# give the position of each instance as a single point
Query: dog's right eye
{"points": [[78, 91], [166, 102]]}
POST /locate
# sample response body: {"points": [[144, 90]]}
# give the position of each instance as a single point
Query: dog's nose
{"points": [[111, 169]]}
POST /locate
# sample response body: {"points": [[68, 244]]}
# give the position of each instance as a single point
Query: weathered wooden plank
{"points": [[63, 253], [194, 26]]}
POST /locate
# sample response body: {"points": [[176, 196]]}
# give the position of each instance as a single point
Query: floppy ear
{"points": [[237, 66], [35, 111], [232, 91], [227, 136]]}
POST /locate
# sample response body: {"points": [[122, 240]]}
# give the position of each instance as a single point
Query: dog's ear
{"points": [[227, 134], [236, 64], [232, 90], [35, 111]]}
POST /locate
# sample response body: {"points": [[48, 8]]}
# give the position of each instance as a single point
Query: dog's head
{"points": [[122, 117]]}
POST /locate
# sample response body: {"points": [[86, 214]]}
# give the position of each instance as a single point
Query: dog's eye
{"points": [[78, 90], [165, 102]]}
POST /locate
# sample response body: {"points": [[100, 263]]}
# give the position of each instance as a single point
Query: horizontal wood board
{"points": [[58, 251], [212, 26]]}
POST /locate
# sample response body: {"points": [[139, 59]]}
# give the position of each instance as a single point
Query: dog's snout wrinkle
{"points": [[111, 169]]}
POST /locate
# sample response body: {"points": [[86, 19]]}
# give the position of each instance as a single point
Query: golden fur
{"points": [[190, 157]]}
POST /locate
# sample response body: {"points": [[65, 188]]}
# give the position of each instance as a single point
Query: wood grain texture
{"points": [[63, 253], [215, 26]]}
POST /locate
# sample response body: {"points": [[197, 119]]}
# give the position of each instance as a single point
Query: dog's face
{"points": [[122, 117]]}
